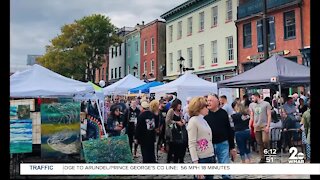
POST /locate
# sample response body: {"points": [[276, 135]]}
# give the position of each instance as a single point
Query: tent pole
{"points": [[102, 120], [279, 86]]}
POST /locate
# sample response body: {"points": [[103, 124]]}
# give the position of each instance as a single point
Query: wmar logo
{"points": [[295, 157]]}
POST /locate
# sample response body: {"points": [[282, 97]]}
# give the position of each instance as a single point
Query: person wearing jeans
{"points": [[242, 132], [222, 133]]}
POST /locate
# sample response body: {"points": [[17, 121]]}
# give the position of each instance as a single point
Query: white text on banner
{"points": [[168, 169]]}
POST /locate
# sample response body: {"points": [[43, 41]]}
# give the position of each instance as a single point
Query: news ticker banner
{"points": [[168, 169]]}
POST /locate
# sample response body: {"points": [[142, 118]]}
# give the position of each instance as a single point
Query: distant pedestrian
{"points": [[242, 132], [146, 134], [114, 123], [176, 125], [134, 112]]}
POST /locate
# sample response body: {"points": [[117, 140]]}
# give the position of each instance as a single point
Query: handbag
{"points": [[179, 134]]}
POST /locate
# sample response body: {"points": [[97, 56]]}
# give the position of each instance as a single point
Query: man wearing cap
{"points": [[145, 133]]}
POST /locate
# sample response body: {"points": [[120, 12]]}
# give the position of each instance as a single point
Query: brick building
{"points": [[152, 50], [288, 31]]}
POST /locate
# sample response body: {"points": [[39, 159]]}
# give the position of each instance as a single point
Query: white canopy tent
{"points": [[38, 81], [188, 85], [122, 86]]}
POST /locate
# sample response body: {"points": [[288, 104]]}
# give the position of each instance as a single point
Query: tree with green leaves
{"points": [[80, 47]]}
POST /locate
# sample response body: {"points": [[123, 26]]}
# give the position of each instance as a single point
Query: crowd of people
{"points": [[209, 127]]}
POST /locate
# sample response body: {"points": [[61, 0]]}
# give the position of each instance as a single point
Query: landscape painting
{"points": [[60, 130], [20, 136], [109, 150]]}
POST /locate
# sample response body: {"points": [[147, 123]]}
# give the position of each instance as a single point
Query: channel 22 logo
{"points": [[295, 157]]}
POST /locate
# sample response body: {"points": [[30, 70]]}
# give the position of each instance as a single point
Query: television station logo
{"points": [[295, 157]]}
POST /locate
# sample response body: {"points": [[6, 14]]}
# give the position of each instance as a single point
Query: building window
{"points": [[189, 50], [214, 49], [247, 40], [289, 25], [128, 71], [179, 35], [170, 33], [171, 62], [145, 47], [201, 21], [102, 74], [229, 10], [145, 67], [201, 50], [189, 26], [119, 72], [111, 52], [230, 47], [270, 34], [115, 73], [137, 47], [111, 73], [179, 54], [116, 51], [120, 50], [216, 78], [214, 19], [128, 50], [152, 44], [152, 65]]}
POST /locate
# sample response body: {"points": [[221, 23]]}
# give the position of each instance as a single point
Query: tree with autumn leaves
{"points": [[80, 47]]}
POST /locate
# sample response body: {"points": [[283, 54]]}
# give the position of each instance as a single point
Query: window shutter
{"points": [[272, 44], [260, 35]]}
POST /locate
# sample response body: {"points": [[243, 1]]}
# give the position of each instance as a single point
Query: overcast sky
{"points": [[33, 23]]}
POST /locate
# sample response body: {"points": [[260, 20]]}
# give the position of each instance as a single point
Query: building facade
{"points": [[288, 33], [117, 55], [132, 59], [102, 72], [204, 34], [32, 59], [152, 50]]}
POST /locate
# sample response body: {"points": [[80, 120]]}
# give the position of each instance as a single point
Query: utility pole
{"points": [[265, 33]]}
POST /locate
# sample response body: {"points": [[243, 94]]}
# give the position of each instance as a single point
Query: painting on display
{"points": [[109, 150], [13, 112], [23, 112], [60, 129], [20, 130], [30, 102]]}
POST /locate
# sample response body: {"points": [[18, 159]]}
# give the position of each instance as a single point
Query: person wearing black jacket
{"points": [[287, 123], [145, 133], [222, 133], [114, 123], [134, 112], [242, 132]]}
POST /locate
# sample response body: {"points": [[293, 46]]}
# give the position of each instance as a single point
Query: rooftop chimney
{"points": [[142, 22]]}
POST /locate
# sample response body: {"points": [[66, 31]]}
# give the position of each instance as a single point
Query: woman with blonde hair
{"points": [[200, 135]]}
